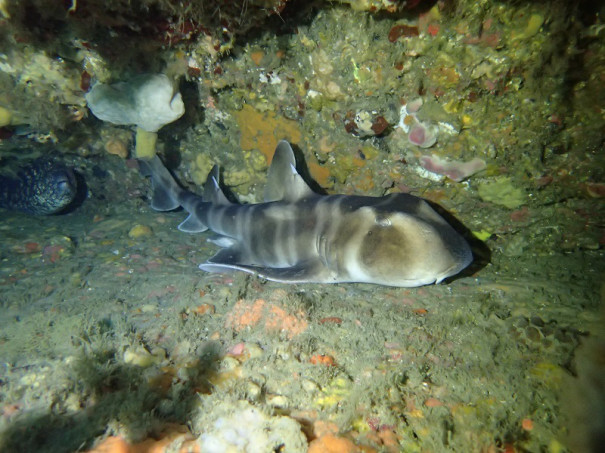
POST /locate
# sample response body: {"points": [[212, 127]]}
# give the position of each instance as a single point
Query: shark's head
{"points": [[405, 249]]}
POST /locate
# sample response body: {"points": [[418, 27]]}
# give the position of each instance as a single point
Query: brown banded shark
{"points": [[297, 235]]}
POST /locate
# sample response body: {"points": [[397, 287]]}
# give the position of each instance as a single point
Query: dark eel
{"points": [[41, 187]]}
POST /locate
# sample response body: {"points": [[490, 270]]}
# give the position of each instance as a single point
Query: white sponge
{"points": [[148, 101]]}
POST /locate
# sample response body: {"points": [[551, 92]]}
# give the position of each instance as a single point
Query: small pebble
{"points": [[309, 386], [116, 147], [533, 334], [547, 330], [521, 321], [139, 357], [277, 401], [228, 364], [253, 391], [138, 231], [562, 336], [254, 350]]}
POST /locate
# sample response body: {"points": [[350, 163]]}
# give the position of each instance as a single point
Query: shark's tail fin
{"points": [[165, 189]]}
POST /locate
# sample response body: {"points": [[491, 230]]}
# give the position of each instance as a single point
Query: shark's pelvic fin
{"points": [[229, 259], [192, 224]]}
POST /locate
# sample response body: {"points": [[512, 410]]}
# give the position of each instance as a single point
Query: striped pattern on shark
{"points": [[297, 235]]}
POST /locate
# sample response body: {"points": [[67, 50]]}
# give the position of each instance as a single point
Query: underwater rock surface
{"points": [[110, 335]]}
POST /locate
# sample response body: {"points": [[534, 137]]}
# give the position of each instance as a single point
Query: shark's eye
{"points": [[382, 221]]}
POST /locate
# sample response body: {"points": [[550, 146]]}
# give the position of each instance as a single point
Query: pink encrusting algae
{"points": [[455, 170]]}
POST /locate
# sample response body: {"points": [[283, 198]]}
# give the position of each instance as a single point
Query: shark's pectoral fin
{"points": [[227, 260], [312, 271]]}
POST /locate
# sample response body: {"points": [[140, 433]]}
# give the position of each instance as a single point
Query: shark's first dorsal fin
{"points": [[212, 191], [283, 181]]}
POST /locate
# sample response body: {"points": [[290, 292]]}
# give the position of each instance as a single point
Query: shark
{"points": [[299, 236]]}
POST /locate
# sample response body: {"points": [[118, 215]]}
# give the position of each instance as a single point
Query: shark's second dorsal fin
{"points": [[283, 181], [212, 191]]}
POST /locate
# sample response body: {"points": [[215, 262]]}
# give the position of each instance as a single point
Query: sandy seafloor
{"points": [[102, 333]]}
